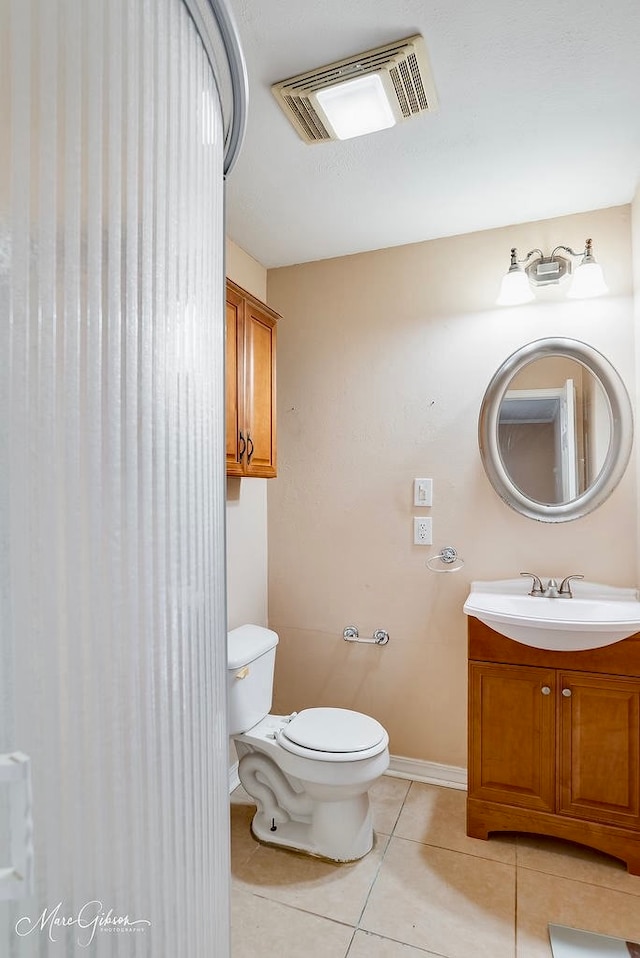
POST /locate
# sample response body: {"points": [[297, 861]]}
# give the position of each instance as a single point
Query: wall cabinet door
{"points": [[250, 386], [512, 735], [599, 748], [234, 393], [260, 391]]}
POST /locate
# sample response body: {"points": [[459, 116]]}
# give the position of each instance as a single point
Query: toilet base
{"points": [[335, 831], [328, 821], [315, 805]]}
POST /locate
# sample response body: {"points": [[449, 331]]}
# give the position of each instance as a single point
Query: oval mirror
{"points": [[555, 430]]}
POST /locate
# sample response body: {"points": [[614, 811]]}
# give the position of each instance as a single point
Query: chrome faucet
{"points": [[552, 590], [536, 586], [565, 585]]}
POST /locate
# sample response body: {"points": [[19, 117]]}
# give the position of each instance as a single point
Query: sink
{"points": [[596, 616]]}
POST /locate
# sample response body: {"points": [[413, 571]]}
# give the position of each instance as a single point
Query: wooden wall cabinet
{"points": [[554, 742], [250, 385]]}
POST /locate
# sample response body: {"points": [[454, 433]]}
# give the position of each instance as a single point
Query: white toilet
{"points": [[309, 773]]}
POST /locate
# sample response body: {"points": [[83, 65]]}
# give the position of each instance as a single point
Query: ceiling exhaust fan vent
{"points": [[403, 67]]}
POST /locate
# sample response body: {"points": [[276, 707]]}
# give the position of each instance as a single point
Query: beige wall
{"points": [[246, 498], [382, 365]]}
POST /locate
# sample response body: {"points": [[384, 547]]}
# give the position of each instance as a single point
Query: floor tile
{"points": [[387, 797], [243, 844], [544, 898], [575, 862], [366, 945], [427, 891], [334, 891], [443, 901], [437, 816], [265, 929]]}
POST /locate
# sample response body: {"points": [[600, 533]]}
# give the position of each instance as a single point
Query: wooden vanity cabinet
{"points": [[554, 742], [250, 385], [511, 735], [599, 748]]}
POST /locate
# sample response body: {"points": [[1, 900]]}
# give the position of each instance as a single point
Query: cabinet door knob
{"points": [[566, 693], [243, 446], [250, 446], [545, 690]]}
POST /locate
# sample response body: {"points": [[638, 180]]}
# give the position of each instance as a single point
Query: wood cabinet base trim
{"points": [[486, 817]]}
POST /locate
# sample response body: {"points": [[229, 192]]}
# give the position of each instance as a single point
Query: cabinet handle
{"points": [[545, 690], [250, 445], [566, 693], [242, 448]]}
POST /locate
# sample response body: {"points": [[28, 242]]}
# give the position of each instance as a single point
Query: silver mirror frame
{"points": [[620, 445]]}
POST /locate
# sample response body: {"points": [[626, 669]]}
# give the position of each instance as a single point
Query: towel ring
{"points": [[448, 556]]}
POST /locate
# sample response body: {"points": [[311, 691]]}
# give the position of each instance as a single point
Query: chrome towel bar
{"points": [[379, 637]]}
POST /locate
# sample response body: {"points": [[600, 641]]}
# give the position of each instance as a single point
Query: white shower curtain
{"points": [[112, 609]]}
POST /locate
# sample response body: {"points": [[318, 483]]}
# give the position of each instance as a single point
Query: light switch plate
{"points": [[422, 492]]}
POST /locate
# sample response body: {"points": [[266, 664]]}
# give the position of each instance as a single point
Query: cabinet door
{"points": [[260, 392], [599, 743], [512, 735], [234, 401]]}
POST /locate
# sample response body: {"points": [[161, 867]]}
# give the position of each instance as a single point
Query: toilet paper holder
{"points": [[379, 637]]}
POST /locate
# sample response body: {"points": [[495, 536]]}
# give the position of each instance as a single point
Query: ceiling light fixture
{"points": [[357, 107], [536, 270], [361, 94]]}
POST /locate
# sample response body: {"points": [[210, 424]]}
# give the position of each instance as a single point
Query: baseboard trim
{"points": [[449, 776], [415, 769]]}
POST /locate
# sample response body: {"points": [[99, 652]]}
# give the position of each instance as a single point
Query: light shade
{"points": [[588, 281], [357, 106], [515, 288]]}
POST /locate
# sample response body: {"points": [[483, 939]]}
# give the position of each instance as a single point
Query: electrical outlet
{"points": [[423, 492], [422, 535]]}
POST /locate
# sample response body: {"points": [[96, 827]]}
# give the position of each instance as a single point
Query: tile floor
{"points": [[425, 889]]}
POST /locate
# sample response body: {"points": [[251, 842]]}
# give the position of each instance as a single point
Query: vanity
{"points": [[554, 671], [554, 742]]}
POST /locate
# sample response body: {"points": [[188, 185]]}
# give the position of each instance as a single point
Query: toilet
{"points": [[309, 773]]}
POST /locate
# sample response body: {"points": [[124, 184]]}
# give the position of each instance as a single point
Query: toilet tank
{"points": [[251, 657]]}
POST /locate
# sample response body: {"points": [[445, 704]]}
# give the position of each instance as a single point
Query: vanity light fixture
{"points": [[536, 269]]}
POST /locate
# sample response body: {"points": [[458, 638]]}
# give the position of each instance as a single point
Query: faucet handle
{"points": [[536, 585], [565, 587]]}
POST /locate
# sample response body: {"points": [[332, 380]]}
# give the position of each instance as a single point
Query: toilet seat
{"points": [[332, 734]]}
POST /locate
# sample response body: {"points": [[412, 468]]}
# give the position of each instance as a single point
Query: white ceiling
{"points": [[539, 116]]}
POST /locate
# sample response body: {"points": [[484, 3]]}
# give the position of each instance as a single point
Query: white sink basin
{"points": [[596, 616]]}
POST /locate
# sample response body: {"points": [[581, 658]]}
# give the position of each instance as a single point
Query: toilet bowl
{"points": [[310, 772]]}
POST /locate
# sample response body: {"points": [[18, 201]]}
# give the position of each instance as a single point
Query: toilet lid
{"points": [[334, 730]]}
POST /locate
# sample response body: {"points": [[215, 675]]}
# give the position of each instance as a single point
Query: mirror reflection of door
{"points": [[554, 430], [537, 435]]}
